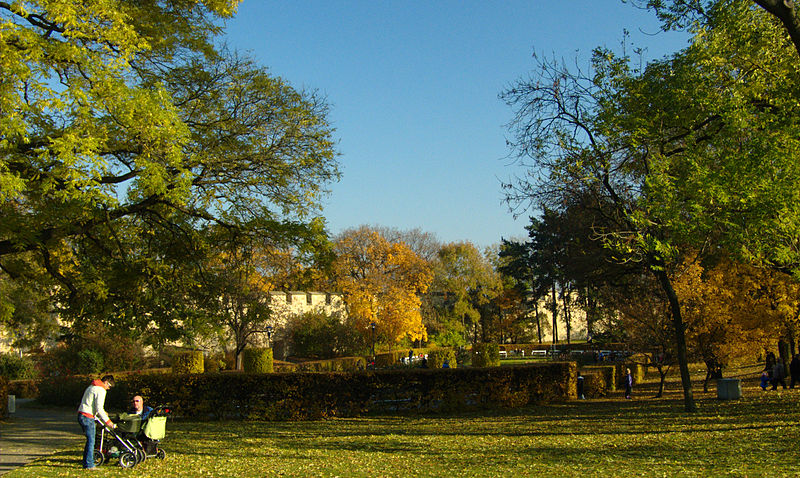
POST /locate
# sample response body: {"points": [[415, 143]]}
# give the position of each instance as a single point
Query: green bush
{"points": [[214, 363], [23, 388], [317, 334], [89, 361], [387, 359], [117, 353], [302, 396], [14, 367], [437, 358], [188, 362], [257, 360], [485, 355], [341, 364], [594, 385]]}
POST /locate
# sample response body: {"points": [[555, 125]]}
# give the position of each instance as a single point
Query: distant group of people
{"points": [[93, 405], [774, 372]]}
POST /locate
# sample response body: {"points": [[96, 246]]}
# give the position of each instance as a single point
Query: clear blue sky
{"points": [[414, 89]]}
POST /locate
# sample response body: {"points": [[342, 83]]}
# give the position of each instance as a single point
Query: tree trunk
{"points": [[567, 313], [555, 315], [680, 335], [538, 324], [662, 374]]}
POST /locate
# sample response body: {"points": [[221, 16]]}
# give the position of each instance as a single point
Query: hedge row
{"points": [[301, 396], [485, 355], [594, 385], [23, 388], [188, 362], [3, 397], [339, 364], [438, 357], [562, 347], [605, 372]]}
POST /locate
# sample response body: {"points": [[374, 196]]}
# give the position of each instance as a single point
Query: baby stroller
{"points": [[133, 440]]}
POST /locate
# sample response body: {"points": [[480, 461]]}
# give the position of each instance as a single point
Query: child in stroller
{"points": [[134, 439]]}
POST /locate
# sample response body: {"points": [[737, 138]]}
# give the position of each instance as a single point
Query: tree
{"points": [[693, 150], [465, 283], [678, 14], [381, 283], [125, 133], [235, 291]]}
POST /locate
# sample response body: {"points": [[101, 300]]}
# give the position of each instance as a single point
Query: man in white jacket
{"points": [[91, 406]]}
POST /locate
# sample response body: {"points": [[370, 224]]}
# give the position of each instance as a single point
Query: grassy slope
{"points": [[755, 436]]}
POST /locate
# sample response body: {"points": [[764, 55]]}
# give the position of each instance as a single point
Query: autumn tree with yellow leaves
{"points": [[381, 282]]}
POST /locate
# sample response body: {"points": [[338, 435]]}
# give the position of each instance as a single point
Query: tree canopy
{"points": [[697, 151], [125, 131]]}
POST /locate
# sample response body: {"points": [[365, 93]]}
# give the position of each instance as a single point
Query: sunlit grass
{"points": [[755, 436]]}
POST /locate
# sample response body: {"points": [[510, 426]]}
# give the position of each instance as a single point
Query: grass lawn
{"points": [[758, 435]]}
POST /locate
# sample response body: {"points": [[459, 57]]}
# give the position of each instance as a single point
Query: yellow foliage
{"points": [[380, 282], [734, 310]]}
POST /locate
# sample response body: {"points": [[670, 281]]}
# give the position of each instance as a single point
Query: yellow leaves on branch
{"points": [[380, 282], [731, 308]]}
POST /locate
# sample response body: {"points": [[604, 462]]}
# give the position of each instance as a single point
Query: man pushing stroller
{"points": [[91, 407]]}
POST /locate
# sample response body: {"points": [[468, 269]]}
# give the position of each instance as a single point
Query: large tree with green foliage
{"points": [[124, 133], [695, 151]]}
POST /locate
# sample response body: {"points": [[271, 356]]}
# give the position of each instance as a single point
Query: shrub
{"points": [[89, 361], [117, 353], [188, 362], [23, 388], [594, 385], [485, 355], [341, 364], [302, 396], [387, 359], [14, 367], [607, 372], [257, 360], [437, 358], [317, 334], [214, 363], [3, 397]]}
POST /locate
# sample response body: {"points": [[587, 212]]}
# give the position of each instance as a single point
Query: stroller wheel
{"points": [[161, 454], [140, 455], [127, 460], [99, 458]]}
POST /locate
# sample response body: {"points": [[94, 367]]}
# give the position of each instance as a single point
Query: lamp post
{"points": [[373, 324]]}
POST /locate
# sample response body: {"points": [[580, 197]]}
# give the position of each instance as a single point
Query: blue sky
{"points": [[413, 87]]}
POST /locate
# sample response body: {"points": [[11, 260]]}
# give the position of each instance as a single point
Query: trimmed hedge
{"points": [[257, 360], [188, 362], [594, 385], [340, 364], [486, 355], [637, 370], [23, 388], [607, 372], [3, 397], [437, 358], [387, 359], [301, 396]]}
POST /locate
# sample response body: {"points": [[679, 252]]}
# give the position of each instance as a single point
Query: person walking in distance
{"points": [[628, 383], [91, 406]]}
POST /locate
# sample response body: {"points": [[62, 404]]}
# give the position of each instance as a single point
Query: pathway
{"points": [[33, 432]]}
